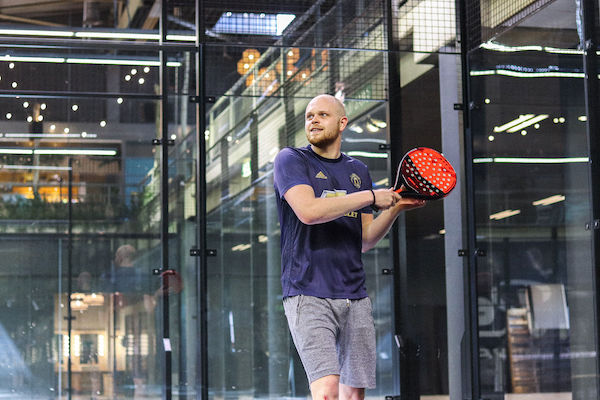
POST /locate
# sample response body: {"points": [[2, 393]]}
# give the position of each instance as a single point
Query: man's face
{"points": [[323, 121]]}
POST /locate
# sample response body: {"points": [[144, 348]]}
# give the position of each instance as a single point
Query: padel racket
{"points": [[426, 174]]}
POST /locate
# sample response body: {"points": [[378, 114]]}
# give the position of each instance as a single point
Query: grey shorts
{"points": [[334, 337]]}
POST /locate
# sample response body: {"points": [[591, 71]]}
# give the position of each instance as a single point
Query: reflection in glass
{"points": [[531, 198]]}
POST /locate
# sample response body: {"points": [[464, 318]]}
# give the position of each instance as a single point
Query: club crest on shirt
{"points": [[355, 179]]}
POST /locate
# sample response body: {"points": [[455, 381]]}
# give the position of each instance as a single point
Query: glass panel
{"points": [[535, 283], [180, 285], [250, 349], [99, 155], [422, 285]]}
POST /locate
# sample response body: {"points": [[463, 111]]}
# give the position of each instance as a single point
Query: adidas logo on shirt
{"points": [[320, 175]]}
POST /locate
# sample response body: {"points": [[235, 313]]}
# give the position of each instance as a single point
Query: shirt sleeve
{"points": [[289, 170]]}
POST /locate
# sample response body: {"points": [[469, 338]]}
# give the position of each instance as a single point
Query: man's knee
{"points": [[325, 388], [351, 393]]}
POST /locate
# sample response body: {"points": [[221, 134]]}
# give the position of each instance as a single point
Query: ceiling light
{"points": [[536, 126], [16, 151], [561, 120], [582, 118], [120, 100], [48, 135], [378, 123], [40, 118], [182, 38], [29, 118], [514, 122], [382, 182], [86, 152], [356, 128], [75, 107], [117, 35], [487, 101], [133, 71], [113, 61], [94, 34], [549, 200], [43, 106], [141, 81], [367, 154], [526, 160], [371, 128], [146, 69], [66, 130], [52, 127], [241, 247], [491, 138], [11, 65], [504, 214], [35, 32], [103, 123], [516, 74], [528, 122], [8, 115], [14, 85], [127, 77], [36, 167], [25, 104]]}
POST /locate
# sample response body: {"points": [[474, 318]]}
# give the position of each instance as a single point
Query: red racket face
{"points": [[427, 173]]}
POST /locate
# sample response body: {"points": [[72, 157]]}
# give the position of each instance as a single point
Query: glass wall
{"points": [[85, 292], [535, 277]]}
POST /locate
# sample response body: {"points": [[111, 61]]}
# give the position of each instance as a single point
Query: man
{"points": [[324, 200]]}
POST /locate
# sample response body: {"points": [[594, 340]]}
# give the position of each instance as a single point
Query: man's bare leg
{"points": [[326, 388], [351, 393]]}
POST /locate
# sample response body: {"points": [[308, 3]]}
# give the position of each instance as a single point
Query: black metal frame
{"points": [[202, 281], [471, 362], [589, 11]]}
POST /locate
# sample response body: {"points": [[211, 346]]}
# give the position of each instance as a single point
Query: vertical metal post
{"points": [[70, 281], [202, 378], [471, 313], [402, 383], [589, 11], [164, 196]]}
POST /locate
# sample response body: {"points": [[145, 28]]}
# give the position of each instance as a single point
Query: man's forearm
{"points": [[321, 210], [379, 227]]}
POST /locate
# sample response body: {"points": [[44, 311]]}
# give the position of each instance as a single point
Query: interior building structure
{"points": [[139, 227]]}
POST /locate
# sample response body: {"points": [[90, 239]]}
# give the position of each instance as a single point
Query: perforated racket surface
{"points": [[426, 174]]}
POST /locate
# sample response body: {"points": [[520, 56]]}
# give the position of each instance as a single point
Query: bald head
{"points": [[338, 106]]}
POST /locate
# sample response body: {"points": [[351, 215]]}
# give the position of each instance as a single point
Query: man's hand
{"points": [[388, 198]]}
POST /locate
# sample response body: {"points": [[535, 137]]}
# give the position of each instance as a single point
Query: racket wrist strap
{"points": [[373, 193]]}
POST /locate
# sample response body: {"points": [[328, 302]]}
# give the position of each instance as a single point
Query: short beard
{"points": [[322, 142]]}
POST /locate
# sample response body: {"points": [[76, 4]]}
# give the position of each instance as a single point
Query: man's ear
{"points": [[343, 123]]}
